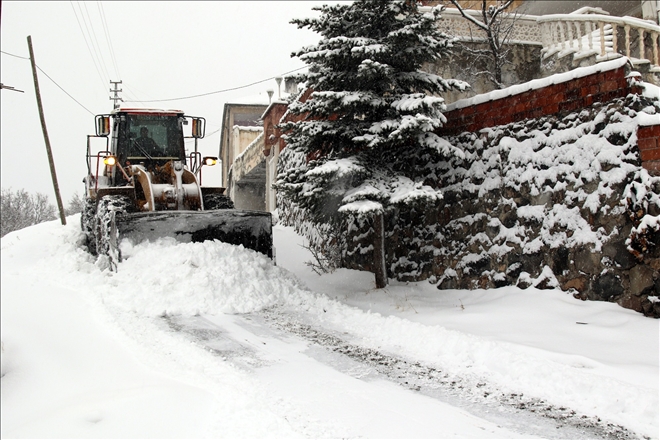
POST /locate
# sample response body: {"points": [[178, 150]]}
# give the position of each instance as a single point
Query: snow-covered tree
{"points": [[369, 90], [496, 23], [20, 209], [76, 204], [361, 137], [372, 111]]}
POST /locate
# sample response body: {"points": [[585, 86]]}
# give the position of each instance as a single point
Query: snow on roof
{"points": [[247, 128], [275, 102], [146, 110], [538, 83], [258, 99]]}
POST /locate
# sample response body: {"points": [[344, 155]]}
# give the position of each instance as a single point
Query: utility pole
{"points": [[116, 91], [43, 127]]}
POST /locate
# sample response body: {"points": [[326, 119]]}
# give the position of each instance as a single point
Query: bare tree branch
{"points": [[469, 17], [497, 34]]}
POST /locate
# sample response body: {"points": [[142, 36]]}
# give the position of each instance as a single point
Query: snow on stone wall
{"points": [[556, 190], [549, 202], [554, 202]]}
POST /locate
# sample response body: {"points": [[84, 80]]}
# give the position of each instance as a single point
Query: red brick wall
{"points": [[271, 118], [648, 141], [557, 98]]}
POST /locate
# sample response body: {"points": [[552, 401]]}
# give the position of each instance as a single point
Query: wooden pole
{"points": [[43, 127], [379, 251]]}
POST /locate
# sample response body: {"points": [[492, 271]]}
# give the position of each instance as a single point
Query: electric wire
{"points": [[98, 71], [224, 90], [187, 97], [48, 76], [134, 91], [97, 48], [12, 55], [62, 89], [104, 21]]}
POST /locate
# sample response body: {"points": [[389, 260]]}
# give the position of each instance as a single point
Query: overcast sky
{"points": [[161, 50]]}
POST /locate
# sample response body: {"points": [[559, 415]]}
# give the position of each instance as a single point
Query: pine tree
{"points": [[372, 111], [361, 137], [369, 89]]}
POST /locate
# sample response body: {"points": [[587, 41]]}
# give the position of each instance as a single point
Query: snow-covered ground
{"points": [[211, 340]]}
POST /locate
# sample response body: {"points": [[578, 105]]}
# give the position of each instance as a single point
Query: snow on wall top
{"points": [[147, 110], [538, 83], [258, 99]]}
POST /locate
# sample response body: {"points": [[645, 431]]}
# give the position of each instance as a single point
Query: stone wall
{"points": [[551, 193]]}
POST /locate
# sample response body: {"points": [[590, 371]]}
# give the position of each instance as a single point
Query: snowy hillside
{"points": [[211, 340]]}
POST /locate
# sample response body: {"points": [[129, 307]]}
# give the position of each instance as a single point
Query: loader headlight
{"points": [[210, 161], [110, 160]]}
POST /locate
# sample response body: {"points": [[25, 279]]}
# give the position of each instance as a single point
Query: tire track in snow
{"points": [[517, 412]]}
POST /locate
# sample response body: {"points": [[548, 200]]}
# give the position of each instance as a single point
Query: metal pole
{"points": [[43, 126]]}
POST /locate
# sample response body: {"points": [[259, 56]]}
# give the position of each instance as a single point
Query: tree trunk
{"points": [[379, 251]]}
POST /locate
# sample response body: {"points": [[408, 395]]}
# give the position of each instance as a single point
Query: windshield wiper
{"points": [[142, 150]]}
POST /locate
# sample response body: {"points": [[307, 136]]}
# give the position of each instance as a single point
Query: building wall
{"points": [[242, 137], [273, 145], [244, 115], [523, 65]]}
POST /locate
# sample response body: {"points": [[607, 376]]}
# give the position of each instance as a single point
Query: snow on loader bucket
{"points": [[252, 229], [142, 185]]}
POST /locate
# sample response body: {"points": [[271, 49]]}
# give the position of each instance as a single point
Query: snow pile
{"points": [[94, 331], [166, 277]]}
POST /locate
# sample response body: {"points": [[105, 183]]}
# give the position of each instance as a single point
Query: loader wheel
{"points": [[107, 236], [87, 224], [217, 201]]}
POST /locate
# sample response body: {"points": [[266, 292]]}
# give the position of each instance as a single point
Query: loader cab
{"points": [[151, 138]]}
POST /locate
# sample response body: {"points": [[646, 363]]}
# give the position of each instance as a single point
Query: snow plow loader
{"points": [[141, 185]]}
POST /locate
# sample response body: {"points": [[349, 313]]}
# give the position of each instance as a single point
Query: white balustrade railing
{"points": [[588, 31], [602, 35], [526, 29]]}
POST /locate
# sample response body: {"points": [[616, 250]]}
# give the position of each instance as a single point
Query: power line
{"points": [[99, 53], [131, 94], [67, 93], [48, 76], [194, 96], [206, 136], [104, 21], [16, 56], [87, 43], [224, 90]]}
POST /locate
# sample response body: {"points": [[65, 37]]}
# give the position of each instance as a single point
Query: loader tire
{"points": [[217, 201], [107, 235], [88, 224]]}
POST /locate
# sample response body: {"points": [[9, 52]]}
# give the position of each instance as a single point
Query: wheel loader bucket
{"points": [[252, 229]]}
